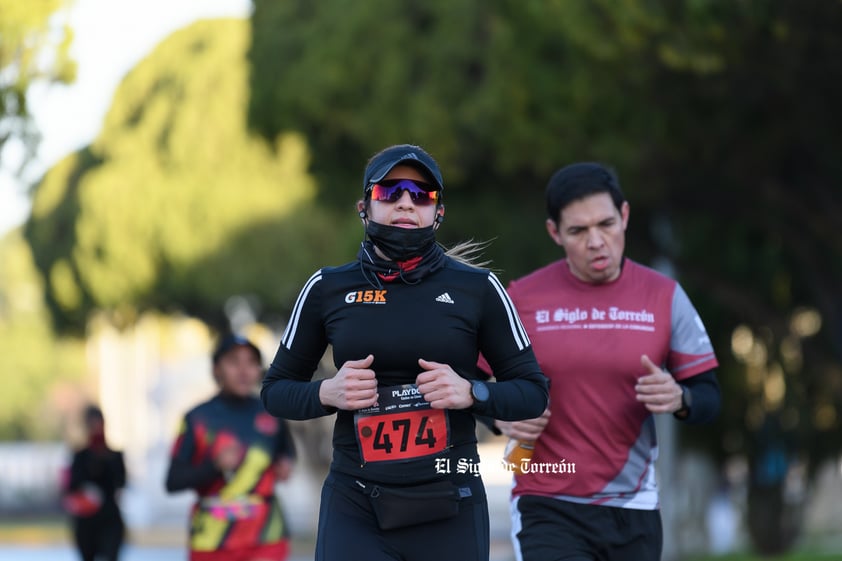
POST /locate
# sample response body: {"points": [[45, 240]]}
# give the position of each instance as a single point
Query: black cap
{"points": [[408, 154], [231, 341]]}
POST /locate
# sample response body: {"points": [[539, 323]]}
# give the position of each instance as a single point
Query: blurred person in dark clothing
{"points": [[97, 474]]}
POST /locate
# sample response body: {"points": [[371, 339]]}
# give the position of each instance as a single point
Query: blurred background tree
{"points": [[34, 47], [176, 206], [38, 367], [231, 158], [31, 50]]}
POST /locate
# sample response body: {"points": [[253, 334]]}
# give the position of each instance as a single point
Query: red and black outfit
{"points": [[237, 515]]}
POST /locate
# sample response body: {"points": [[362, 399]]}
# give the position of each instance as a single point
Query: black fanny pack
{"points": [[398, 507]]}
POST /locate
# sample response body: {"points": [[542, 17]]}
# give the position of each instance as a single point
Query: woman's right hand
{"points": [[353, 387]]}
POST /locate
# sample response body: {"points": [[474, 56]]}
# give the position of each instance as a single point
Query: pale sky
{"points": [[111, 36]]}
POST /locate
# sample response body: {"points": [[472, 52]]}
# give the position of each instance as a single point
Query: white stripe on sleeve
{"points": [[292, 326], [518, 331]]}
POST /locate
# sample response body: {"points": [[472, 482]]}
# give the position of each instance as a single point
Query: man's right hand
{"points": [[354, 386], [526, 431]]}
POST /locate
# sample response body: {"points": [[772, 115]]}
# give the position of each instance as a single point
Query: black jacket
{"points": [[449, 317]]}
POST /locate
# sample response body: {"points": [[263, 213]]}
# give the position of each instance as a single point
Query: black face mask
{"points": [[400, 244]]}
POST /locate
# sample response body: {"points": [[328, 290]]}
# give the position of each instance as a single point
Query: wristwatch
{"points": [[479, 391], [686, 402]]}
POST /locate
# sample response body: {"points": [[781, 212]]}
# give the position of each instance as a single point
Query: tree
{"points": [[502, 92], [717, 116], [34, 47], [31, 49], [34, 361], [766, 170], [175, 206]]}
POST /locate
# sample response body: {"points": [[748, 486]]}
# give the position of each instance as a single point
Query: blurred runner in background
{"points": [[97, 474], [232, 453]]}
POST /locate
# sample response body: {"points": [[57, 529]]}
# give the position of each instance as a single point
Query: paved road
{"points": [[135, 553], [130, 553], [64, 553]]}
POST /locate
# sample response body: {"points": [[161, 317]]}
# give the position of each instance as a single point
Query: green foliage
{"points": [[756, 214], [175, 205], [501, 92], [32, 359], [31, 49]]}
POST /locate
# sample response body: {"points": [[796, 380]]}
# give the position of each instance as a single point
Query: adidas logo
{"points": [[445, 298]]}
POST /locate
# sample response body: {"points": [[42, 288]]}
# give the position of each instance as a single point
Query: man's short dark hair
{"points": [[580, 180]]}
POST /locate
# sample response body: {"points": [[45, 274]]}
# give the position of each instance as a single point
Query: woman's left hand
{"points": [[442, 387]]}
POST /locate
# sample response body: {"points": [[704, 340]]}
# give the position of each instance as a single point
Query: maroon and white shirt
{"points": [[600, 446]]}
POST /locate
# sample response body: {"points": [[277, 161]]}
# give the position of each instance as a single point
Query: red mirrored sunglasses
{"points": [[390, 190]]}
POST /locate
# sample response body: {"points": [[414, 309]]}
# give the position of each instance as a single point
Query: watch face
{"points": [[479, 391], [686, 397]]}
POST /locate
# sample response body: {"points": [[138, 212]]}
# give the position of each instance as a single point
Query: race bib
{"points": [[402, 426]]}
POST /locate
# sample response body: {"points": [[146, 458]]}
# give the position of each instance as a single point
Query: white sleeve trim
{"points": [[518, 331], [292, 326]]}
